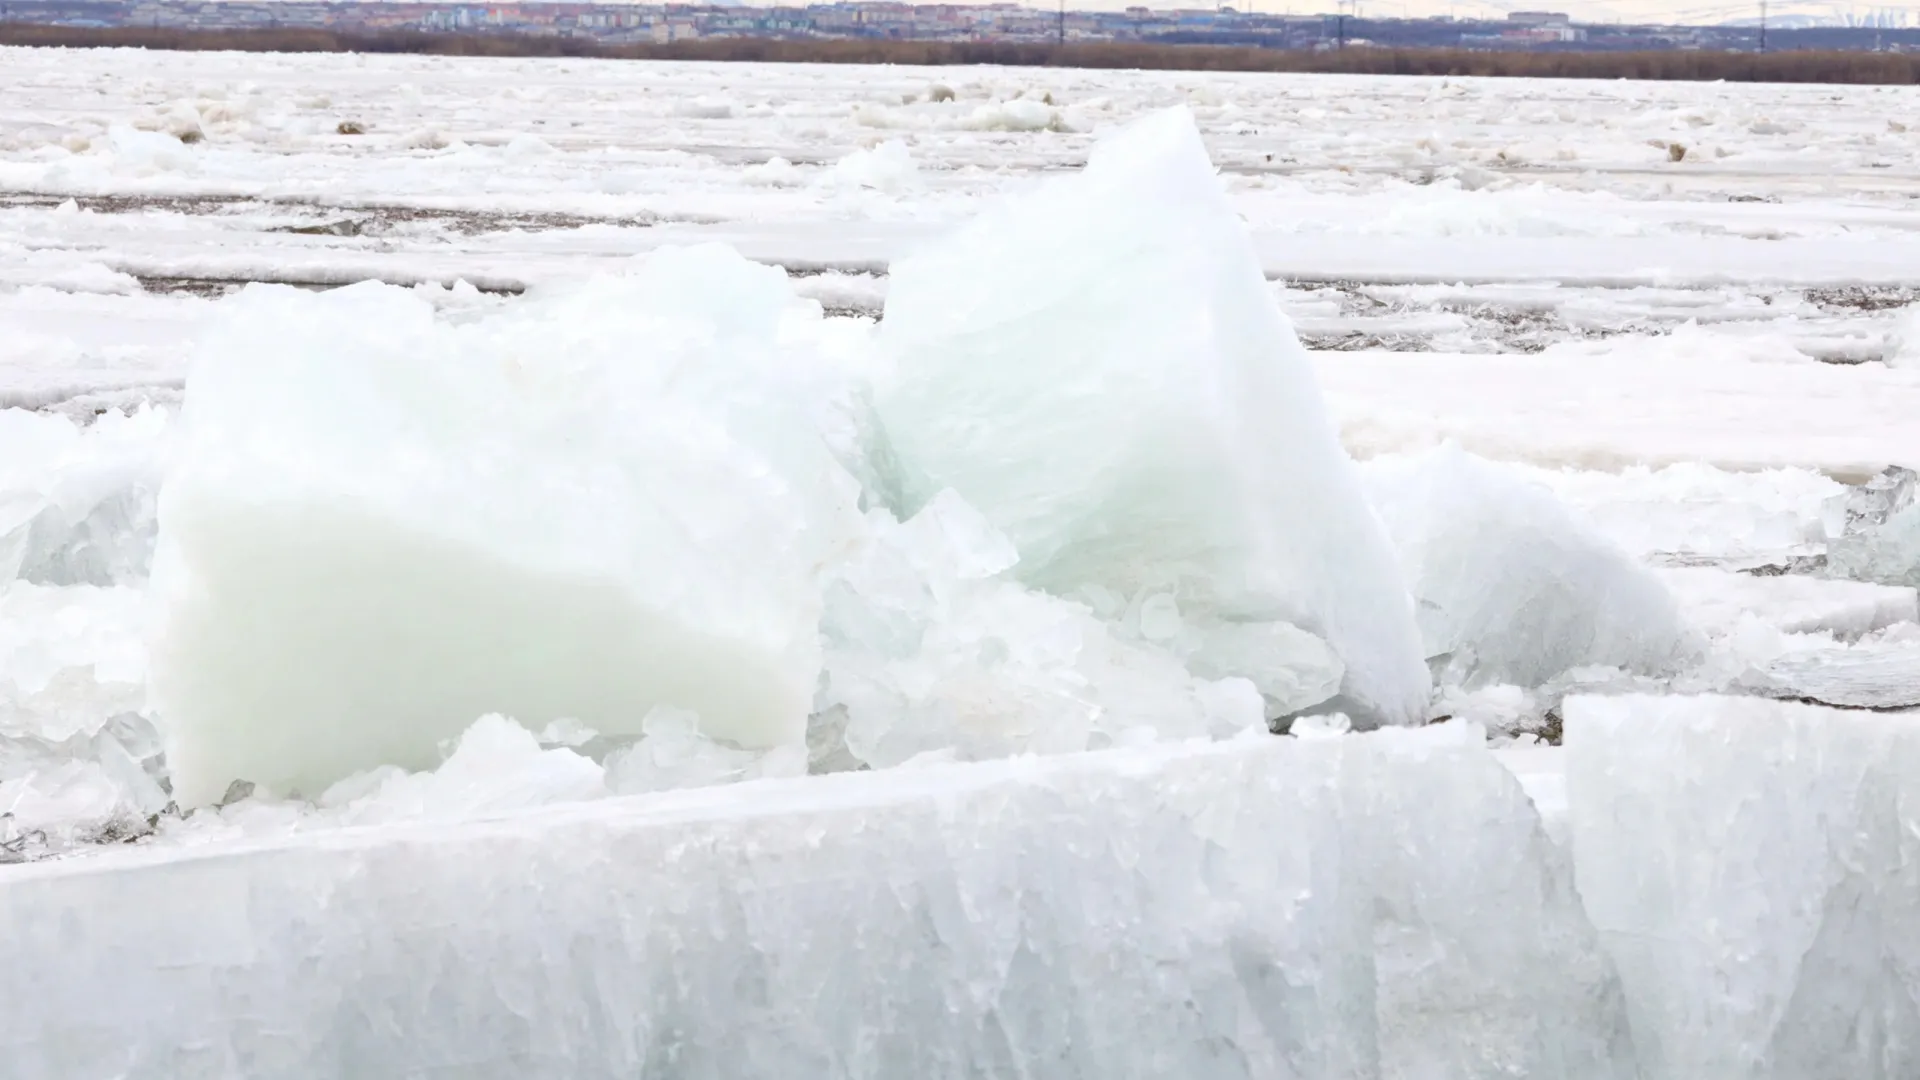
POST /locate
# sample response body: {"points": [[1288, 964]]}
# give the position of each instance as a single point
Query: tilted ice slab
{"points": [[1718, 600], [1508, 585], [1259, 908], [385, 523], [1882, 672], [1754, 869], [1100, 368]]}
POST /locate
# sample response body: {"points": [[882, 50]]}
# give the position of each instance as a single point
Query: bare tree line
{"points": [[1779, 67]]}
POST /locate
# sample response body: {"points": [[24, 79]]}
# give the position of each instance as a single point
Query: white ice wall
{"points": [[1754, 869], [1261, 908]]}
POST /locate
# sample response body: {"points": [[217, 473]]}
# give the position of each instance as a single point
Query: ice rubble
{"points": [[382, 524], [931, 649], [1508, 586], [79, 757], [1257, 908], [1888, 553], [1099, 367], [664, 489], [77, 505], [888, 167], [1752, 867]]}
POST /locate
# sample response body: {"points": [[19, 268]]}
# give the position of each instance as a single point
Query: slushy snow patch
{"points": [[1099, 367], [1509, 586], [609, 497]]}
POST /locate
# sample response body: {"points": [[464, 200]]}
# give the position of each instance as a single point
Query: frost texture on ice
{"points": [[1753, 868], [1099, 367], [77, 504], [1508, 586], [385, 523], [1260, 908]]}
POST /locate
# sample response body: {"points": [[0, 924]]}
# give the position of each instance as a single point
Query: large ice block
{"points": [[1509, 587], [1754, 869], [386, 522], [1099, 367], [1260, 908]]}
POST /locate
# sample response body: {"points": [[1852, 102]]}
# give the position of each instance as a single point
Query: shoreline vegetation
{"points": [[1866, 68]]}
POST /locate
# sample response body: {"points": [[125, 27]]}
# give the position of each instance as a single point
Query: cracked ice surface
{"points": [[1256, 908]]}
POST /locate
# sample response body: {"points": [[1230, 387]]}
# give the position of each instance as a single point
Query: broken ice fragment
{"points": [[1099, 367]]}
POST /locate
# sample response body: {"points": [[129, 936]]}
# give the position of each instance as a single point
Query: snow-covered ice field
{"points": [[793, 572]]}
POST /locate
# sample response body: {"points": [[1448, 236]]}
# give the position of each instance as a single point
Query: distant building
{"points": [[1539, 18]]}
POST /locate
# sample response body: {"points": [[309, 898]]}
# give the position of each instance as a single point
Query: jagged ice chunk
{"points": [[1099, 367]]}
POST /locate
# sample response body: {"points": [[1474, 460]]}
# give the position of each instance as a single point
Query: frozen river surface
{"points": [[1631, 372]]}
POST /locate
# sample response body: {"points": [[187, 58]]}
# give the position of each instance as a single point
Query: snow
{"points": [[1750, 866], [1133, 411], [390, 523], [1602, 413], [1508, 586], [1279, 891]]}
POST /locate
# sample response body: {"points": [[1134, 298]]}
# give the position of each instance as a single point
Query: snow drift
{"points": [[383, 525], [1099, 367], [1259, 908]]}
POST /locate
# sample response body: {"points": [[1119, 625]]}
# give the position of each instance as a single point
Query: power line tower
{"points": [[1763, 25], [1062, 29]]}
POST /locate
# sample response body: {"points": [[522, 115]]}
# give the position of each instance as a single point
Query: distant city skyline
{"points": [[1665, 12]]}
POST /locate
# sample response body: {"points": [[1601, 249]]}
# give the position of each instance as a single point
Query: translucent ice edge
{"points": [[1262, 907]]}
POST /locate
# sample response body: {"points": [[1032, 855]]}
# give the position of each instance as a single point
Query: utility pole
{"points": [[1063, 22], [1763, 25]]}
